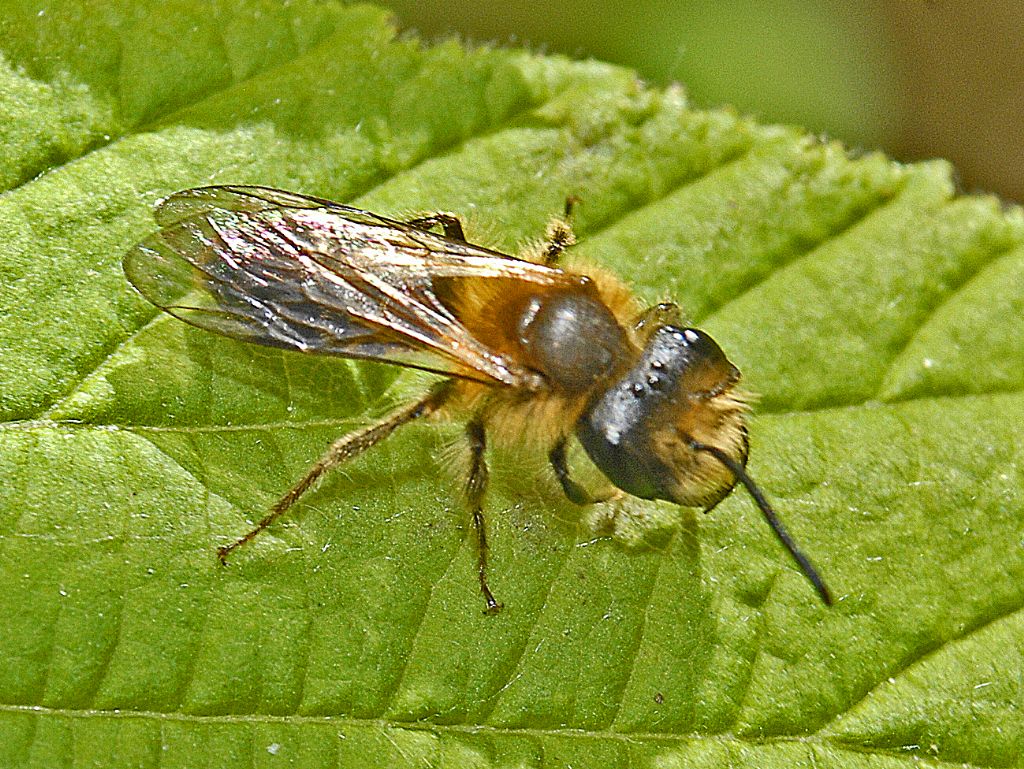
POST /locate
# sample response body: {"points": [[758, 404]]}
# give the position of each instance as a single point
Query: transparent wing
{"points": [[303, 273]]}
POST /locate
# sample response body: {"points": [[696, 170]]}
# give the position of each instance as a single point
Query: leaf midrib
{"points": [[626, 738], [384, 723]]}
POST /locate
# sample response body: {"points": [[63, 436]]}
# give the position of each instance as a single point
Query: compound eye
{"points": [[707, 370], [701, 344]]}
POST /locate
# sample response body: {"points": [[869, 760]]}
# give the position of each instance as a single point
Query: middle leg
{"points": [[559, 235], [476, 486]]}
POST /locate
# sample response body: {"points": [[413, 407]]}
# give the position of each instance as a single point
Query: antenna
{"points": [[773, 520]]}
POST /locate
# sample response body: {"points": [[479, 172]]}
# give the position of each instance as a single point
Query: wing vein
{"points": [[302, 273]]}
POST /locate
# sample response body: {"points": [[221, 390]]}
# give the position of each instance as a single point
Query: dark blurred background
{"points": [[915, 78]]}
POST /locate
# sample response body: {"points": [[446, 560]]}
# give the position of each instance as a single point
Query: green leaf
{"points": [[878, 314]]}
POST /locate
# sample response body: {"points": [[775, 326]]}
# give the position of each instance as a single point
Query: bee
{"points": [[529, 351]]}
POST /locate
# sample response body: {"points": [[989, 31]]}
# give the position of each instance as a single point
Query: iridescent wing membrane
{"points": [[302, 273]]}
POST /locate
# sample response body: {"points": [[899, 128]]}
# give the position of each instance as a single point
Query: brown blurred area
{"points": [[960, 88], [915, 78]]}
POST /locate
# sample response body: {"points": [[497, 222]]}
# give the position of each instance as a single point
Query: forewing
{"points": [[302, 273], [240, 198]]}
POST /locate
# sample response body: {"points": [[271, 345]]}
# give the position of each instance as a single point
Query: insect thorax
{"points": [[572, 339]]}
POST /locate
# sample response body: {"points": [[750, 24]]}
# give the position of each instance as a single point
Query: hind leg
{"points": [[341, 451], [449, 223]]}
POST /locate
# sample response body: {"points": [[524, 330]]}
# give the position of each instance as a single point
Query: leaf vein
{"points": [[920, 656], [639, 635], [726, 739], [516, 661], [388, 702], [805, 250], [935, 307], [111, 138]]}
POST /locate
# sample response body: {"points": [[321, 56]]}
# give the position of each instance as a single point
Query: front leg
{"points": [[476, 486], [661, 314], [573, 491]]}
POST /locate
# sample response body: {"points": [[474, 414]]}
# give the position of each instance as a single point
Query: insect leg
{"points": [[661, 314], [559, 236], [448, 222], [476, 486], [573, 491], [340, 451]]}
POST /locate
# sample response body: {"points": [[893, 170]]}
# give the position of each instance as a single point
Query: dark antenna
{"points": [[773, 520]]}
